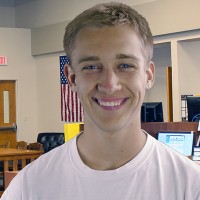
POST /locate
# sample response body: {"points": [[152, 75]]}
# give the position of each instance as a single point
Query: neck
{"points": [[102, 150]]}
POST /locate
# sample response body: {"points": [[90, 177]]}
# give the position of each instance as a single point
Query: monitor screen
{"points": [[182, 142], [143, 113], [152, 112], [193, 106]]}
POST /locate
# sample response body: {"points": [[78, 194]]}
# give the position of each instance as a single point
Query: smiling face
{"points": [[110, 74]]}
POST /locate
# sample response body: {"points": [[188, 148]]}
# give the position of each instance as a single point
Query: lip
{"points": [[110, 104]]}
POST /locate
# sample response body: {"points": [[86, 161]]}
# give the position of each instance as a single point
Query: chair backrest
{"points": [[50, 140], [5, 144], [35, 146], [21, 145]]}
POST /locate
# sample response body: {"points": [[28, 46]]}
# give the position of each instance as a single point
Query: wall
{"points": [[185, 60], [7, 16], [38, 88], [48, 89], [189, 61], [170, 16], [16, 45], [161, 59], [161, 15], [52, 12]]}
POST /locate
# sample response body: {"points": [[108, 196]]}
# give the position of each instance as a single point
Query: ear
{"points": [[150, 75], [71, 77]]}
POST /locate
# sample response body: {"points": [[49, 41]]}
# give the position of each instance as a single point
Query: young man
{"points": [[110, 50]]}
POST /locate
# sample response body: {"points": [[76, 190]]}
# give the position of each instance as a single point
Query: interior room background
{"points": [[31, 34]]}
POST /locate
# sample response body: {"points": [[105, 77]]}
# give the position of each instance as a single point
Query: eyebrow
{"points": [[88, 58], [96, 58], [123, 56]]}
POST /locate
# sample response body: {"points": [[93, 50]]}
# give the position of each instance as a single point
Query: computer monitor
{"points": [[152, 112], [182, 142], [143, 113], [193, 106]]}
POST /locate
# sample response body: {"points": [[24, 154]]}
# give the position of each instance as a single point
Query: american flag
{"points": [[71, 109]]}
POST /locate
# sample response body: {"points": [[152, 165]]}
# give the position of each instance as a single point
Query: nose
{"points": [[109, 82]]}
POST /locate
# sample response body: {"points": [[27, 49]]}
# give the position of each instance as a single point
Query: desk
{"points": [[16, 155]]}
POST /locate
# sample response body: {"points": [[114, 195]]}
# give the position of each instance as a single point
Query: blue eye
{"points": [[126, 67], [91, 69]]}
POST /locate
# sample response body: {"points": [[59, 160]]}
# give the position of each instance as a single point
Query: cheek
{"points": [[137, 81], [83, 87], [86, 82]]}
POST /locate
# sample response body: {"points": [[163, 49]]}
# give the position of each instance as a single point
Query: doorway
{"points": [[8, 127]]}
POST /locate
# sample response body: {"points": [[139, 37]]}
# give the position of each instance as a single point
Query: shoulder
{"points": [[57, 155], [174, 169], [169, 158], [43, 170]]}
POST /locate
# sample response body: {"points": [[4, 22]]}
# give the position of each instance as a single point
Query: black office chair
{"points": [[196, 118], [50, 140]]}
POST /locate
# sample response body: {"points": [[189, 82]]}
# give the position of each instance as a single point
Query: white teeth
{"points": [[109, 103]]}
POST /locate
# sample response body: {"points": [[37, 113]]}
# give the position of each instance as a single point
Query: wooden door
{"points": [[8, 128]]}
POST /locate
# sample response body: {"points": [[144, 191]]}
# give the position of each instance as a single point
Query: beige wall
{"points": [[48, 90], [169, 16], [164, 17], [56, 11], [16, 45], [38, 87]]}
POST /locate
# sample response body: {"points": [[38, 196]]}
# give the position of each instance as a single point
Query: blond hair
{"points": [[109, 14]]}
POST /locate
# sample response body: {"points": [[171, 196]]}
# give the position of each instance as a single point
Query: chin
{"points": [[110, 127]]}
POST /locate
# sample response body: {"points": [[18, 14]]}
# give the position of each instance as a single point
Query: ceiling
{"points": [[13, 3]]}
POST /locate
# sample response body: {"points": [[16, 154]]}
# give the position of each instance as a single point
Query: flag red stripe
{"points": [[71, 109]]}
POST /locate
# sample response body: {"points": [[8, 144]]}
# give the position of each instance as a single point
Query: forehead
{"points": [[109, 40], [97, 33]]}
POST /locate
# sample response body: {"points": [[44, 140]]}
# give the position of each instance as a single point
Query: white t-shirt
{"points": [[156, 173]]}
